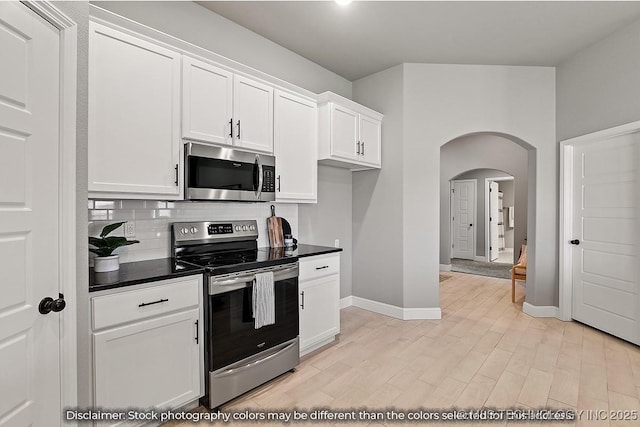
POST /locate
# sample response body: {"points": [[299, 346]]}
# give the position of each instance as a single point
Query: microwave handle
{"points": [[258, 164]]}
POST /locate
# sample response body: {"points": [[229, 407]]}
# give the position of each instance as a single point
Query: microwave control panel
{"points": [[269, 179]]}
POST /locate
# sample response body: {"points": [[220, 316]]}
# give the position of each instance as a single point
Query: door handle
{"points": [[48, 304], [470, 225], [574, 242]]}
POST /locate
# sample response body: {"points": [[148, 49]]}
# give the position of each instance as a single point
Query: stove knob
{"points": [[184, 230], [244, 228], [194, 230], [252, 228], [237, 228]]}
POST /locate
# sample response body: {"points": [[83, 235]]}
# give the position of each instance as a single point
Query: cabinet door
{"points": [[134, 116], [319, 310], [344, 132], [207, 102], [252, 115], [153, 363], [296, 148], [370, 140]]}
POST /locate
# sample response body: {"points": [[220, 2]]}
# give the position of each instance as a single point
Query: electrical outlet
{"points": [[336, 243], [130, 229]]}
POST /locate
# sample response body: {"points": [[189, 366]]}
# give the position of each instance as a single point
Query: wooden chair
{"points": [[519, 271]]}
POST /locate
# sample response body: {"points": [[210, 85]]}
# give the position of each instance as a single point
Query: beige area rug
{"points": [[444, 277]]}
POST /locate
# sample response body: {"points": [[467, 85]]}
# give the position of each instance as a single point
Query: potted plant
{"points": [[104, 247]]}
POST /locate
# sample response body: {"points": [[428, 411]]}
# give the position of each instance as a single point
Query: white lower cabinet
{"points": [[319, 301], [151, 356]]}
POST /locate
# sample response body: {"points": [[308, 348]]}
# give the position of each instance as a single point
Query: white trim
{"points": [[445, 267], [540, 310], [433, 313], [480, 258], [346, 302], [566, 209], [475, 214], [67, 185]]}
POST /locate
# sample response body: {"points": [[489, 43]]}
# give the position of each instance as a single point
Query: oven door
{"points": [[231, 333], [216, 173]]}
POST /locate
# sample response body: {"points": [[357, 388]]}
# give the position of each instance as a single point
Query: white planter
{"points": [[106, 263]]}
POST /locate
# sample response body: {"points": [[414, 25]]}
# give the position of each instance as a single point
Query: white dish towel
{"points": [[264, 301]]}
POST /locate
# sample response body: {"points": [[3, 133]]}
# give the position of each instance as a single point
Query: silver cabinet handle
{"points": [[358, 148], [238, 129], [363, 148], [302, 304]]}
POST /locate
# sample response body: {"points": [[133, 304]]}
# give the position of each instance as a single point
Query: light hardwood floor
{"points": [[485, 352]]}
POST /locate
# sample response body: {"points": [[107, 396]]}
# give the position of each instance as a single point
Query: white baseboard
{"points": [[481, 258], [445, 267], [540, 310], [392, 310], [346, 302]]}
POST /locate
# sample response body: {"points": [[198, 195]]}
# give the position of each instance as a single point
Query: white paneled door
{"points": [[494, 213], [29, 221], [605, 235], [463, 213]]}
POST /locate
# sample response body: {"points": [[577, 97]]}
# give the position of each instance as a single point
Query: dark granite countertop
{"points": [[134, 273], [303, 250]]}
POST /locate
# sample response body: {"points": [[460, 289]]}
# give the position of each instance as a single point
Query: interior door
{"points": [[463, 218], [606, 235], [494, 235], [29, 254]]}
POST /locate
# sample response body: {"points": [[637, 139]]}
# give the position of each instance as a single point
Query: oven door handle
{"points": [[237, 368], [222, 284]]}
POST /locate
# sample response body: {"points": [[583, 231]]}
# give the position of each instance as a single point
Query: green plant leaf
{"points": [[101, 251], [109, 228]]}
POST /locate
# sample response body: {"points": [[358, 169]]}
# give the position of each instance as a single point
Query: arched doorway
{"points": [[477, 156]]}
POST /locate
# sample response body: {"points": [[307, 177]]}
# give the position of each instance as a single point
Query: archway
{"points": [[489, 151]]}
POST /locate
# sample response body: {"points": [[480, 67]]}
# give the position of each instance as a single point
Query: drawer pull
{"points": [[144, 304], [322, 268], [302, 305]]}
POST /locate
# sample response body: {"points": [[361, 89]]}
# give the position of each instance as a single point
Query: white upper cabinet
{"points": [[224, 108], [344, 132], [207, 102], [134, 117], [252, 114], [370, 137], [349, 134], [296, 148]]}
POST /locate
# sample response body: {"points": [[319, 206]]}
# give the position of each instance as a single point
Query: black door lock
{"points": [[574, 242], [48, 304]]}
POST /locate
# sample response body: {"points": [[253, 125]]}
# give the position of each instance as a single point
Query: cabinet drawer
{"points": [[319, 266], [167, 296]]}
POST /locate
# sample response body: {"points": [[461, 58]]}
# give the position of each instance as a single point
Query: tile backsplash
{"points": [[153, 218]]}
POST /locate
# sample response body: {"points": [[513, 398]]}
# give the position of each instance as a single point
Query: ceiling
{"points": [[368, 36]]}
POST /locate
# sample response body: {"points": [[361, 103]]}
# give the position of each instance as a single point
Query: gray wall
{"points": [[330, 219], [599, 87], [478, 175], [79, 13], [508, 193], [195, 24], [484, 151], [377, 197], [444, 102]]}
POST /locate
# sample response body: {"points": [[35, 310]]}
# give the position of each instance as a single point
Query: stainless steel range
{"points": [[239, 355]]}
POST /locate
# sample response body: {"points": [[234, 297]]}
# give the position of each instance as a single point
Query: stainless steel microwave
{"points": [[217, 173]]}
